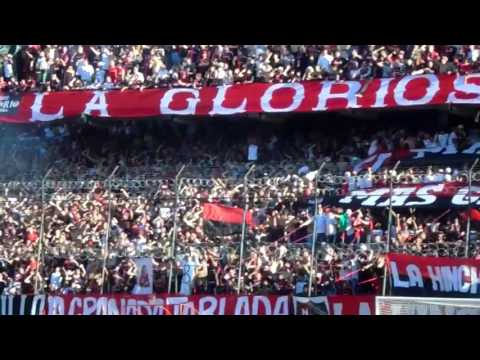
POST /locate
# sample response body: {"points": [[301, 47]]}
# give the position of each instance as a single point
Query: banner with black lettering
{"points": [[433, 276]]}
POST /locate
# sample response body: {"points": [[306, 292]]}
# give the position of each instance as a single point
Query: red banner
{"points": [[225, 214], [168, 305], [351, 305], [434, 276], [334, 305], [309, 96]]}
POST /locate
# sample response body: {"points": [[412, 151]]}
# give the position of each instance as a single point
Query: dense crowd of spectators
{"points": [[158, 149], [349, 258], [73, 67]]}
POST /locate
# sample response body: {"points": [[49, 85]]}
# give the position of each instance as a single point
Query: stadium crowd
{"points": [[73, 67], [351, 242]]}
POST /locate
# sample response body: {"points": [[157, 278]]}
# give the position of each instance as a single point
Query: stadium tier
{"points": [[232, 179]]}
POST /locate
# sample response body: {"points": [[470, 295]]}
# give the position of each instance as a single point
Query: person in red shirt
{"points": [[31, 236], [431, 54]]}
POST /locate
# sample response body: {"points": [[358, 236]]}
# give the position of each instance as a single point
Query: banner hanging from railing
{"points": [[433, 276], [122, 304], [117, 304], [308, 96], [434, 195], [334, 305]]}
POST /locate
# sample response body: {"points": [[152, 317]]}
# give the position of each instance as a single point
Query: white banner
{"points": [[317, 305], [396, 305], [144, 284]]}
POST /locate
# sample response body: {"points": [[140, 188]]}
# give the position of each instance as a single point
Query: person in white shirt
{"points": [[56, 279], [320, 225], [324, 60], [85, 71], [331, 227], [439, 176]]}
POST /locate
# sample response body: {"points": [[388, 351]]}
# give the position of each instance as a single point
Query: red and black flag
{"points": [[474, 215], [221, 220]]}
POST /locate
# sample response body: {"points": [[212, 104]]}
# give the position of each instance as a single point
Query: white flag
{"points": [[144, 284]]}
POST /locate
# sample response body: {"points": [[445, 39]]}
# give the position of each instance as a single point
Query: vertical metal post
{"points": [[244, 227], [109, 225], [42, 229], [314, 234], [389, 227], [174, 236], [467, 238]]}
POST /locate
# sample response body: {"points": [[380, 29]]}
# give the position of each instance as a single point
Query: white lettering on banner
{"points": [[400, 195], [474, 279], [212, 303], [326, 94], [281, 306], [158, 306], [338, 308], [381, 93], [461, 85], [374, 196], [461, 197], [131, 307], [56, 305], [222, 305], [359, 194], [10, 305], [414, 276], [123, 309], [396, 278], [22, 304], [112, 307], [176, 302], [37, 114], [89, 305], [101, 306], [3, 300], [97, 103], [450, 278], [38, 302], [75, 302], [400, 89], [463, 271], [191, 102], [141, 304], [423, 193], [436, 277], [421, 152], [219, 109], [297, 98], [256, 304], [364, 309], [242, 307], [473, 149]]}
